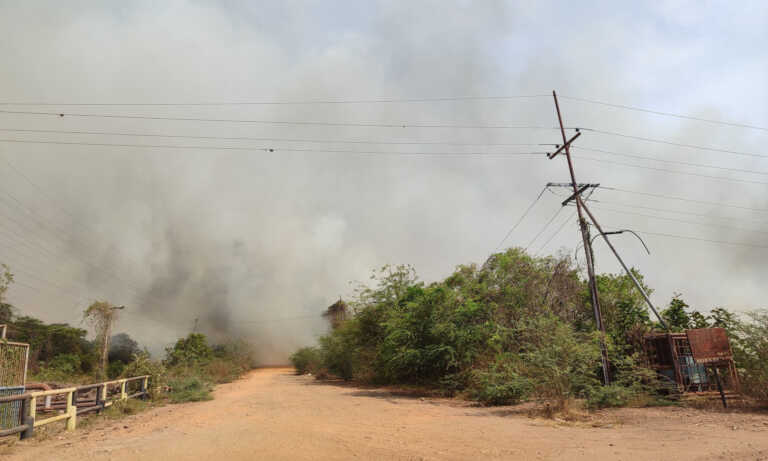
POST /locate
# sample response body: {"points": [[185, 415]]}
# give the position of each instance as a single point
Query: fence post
{"points": [[29, 420], [145, 387], [123, 394], [99, 402], [72, 412], [33, 407]]}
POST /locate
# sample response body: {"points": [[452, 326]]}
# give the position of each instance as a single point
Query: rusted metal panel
{"points": [[709, 345]]}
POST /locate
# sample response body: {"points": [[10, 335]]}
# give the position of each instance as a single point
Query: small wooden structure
{"points": [[696, 361], [336, 313]]}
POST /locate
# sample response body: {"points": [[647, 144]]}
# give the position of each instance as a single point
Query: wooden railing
{"points": [[72, 405]]}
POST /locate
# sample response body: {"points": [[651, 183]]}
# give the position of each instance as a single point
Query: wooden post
{"points": [[33, 407], [145, 387], [72, 412], [123, 394], [27, 418], [98, 401]]}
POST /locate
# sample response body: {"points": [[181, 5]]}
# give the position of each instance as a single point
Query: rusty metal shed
{"points": [[696, 361]]}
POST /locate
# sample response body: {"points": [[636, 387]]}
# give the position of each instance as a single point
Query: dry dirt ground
{"points": [[272, 414]]}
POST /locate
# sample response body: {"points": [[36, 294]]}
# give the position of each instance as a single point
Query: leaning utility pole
{"points": [[585, 236], [604, 235]]}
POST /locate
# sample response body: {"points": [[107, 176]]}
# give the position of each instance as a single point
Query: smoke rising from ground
{"points": [[257, 243]]}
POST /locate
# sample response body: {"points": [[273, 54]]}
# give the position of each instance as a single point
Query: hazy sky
{"points": [[254, 242]]}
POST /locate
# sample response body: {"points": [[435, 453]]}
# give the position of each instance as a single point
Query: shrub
{"points": [[189, 389], [143, 365], [340, 356], [190, 351], [614, 395], [499, 385], [750, 347], [306, 360], [64, 368], [115, 369], [560, 362], [516, 327], [229, 361], [223, 371], [120, 408], [64, 363]]}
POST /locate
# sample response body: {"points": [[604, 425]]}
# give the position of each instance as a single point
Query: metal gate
{"points": [[13, 376]]}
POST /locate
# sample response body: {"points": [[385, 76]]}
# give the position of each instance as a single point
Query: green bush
{"points": [[614, 395], [64, 363], [143, 365], [115, 369], [340, 356], [189, 389], [64, 368], [517, 327], [500, 385], [306, 360], [750, 347], [223, 370], [190, 351]]}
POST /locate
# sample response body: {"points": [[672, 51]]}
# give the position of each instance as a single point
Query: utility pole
{"points": [[585, 237], [639, 287]]}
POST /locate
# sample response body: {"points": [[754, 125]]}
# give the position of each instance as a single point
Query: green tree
{"points": [[723, 318], [6, 278], [622, 305], [6, 313], [675, 315], [6, 310], [192, 350], [698, 320]]}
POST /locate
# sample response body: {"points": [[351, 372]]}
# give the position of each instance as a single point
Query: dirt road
{"points": [[273, 415]]}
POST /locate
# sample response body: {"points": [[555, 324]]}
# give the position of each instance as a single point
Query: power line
{"points": [[559, 209], [677, 144], [684, 237], [684, 199], [663, 218], [284, 122], [271, 149], [656, 159], [665, 210], [667, 114], [664, 170], [520, 220], [562, 226], [284, 102], [378, 101], [44, 224], [557, 232], [248, 138]]}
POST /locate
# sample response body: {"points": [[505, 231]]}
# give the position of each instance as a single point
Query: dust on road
{"points": [[272, 414]]}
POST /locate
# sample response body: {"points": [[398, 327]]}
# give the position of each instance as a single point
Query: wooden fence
{"points": [[66, 404]]}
